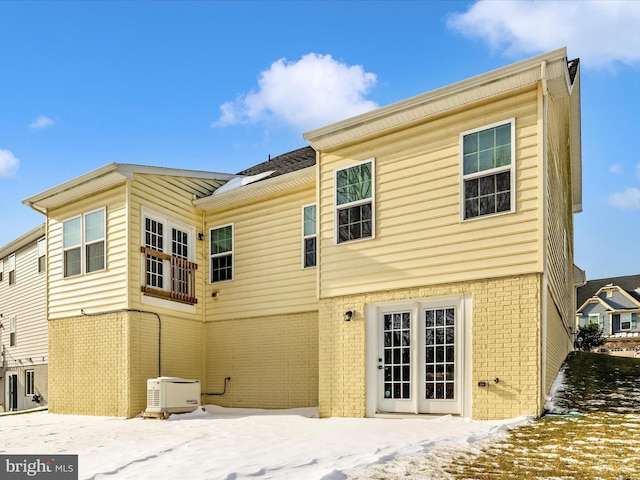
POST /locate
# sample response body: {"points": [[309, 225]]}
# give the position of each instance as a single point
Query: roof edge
{"points": [[258, 189], [23, 240], [321, 138]]}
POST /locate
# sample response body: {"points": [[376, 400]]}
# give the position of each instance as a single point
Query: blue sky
{"points": [[219, 86]]}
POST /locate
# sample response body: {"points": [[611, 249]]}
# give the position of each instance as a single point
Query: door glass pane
{"points": [[440, 354], [397, 357]]}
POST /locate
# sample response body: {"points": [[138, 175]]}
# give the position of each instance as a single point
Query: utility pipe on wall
{"points": [[132, 310]]}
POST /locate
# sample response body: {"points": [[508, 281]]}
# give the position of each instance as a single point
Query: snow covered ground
{"points": [[231, 444]]}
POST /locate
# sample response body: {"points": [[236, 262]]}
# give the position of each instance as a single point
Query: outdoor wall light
{"points": [[200, 236], [348, 315]]}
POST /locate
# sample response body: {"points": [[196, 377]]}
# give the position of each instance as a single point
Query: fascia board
{"points": [[106, 177], [496, 82], [595, 299], [258, 189]]}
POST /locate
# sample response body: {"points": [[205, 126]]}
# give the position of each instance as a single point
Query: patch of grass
{"points": [[601, 383], [601, 443]]}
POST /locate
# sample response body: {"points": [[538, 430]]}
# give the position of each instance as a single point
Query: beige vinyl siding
{"points": [[25, 300], [101, 290], [419, 237], [268, 278], [558, 343], [172, 198], [559, 213]]}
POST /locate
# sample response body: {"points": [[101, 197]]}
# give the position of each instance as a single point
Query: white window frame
{"points": [[29, 383], [223, 254], [1, 269], [371, 199], [42, 253], [84, 243], [12, 269], [308, 236], [168, 224], [630, 321], [595, 318], [493, 171]]}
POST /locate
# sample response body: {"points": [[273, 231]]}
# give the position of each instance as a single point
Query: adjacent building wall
{"points": [[25, 300]]}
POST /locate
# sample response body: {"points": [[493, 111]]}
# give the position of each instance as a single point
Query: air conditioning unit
{"points": [[167, 395]]}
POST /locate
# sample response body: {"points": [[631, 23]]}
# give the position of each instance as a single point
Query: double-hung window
{"points": [[84, 243], [42, 255], [221, 253], [309, 236], [13, 331], [1, 269], [168, 252], [597, 319], [12, 269], [488, 170], [354, 191], [628, 321]]}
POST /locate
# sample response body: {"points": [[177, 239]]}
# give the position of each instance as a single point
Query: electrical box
{"points": [[167, 395]]}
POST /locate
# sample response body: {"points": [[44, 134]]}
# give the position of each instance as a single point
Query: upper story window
{"points": [[309, 236], [13, 331], [1, 269], [488, 170], [42, 255], [12, 269], [168, 258], [83, 243], [354, 189], [221, 253]]}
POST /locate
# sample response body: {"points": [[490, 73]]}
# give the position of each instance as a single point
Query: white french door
{"points": [[420, 359]]}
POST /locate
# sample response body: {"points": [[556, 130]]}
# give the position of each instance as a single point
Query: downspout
{"points": [[544, 286], [132, 310]]}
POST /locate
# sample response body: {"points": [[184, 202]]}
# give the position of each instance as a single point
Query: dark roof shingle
{"points": [[629, 283], [286, 163]]}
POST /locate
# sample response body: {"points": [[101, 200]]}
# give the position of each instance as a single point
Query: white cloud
{"points": [[626, 200], [309, 93], [41, 122], [601, 33], [617, 168], [8, 164]]}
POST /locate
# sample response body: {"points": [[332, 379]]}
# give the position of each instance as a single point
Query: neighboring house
{"points": [[414, 259], [23, 322], [613, 304]]}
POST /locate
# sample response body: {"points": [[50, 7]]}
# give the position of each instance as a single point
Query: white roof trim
{"points": [[496, 82], [105, 177], [258, 189], [28, 238]]}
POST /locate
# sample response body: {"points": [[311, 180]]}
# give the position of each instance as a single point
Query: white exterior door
{"points": [[420, 358]]}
